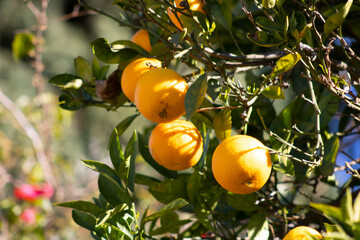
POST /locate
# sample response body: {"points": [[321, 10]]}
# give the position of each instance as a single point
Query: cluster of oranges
{"points": [[240, 164]]}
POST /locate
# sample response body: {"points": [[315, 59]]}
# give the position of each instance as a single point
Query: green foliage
{"points": [[22, 45], [241, 57]]}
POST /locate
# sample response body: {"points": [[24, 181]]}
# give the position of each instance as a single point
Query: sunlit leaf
{"points": [[22, 45], [83, 69], [286, 62], [335, 20], [273, 92], [258, 227], [222, 124], [268, 4], [174, 205]]}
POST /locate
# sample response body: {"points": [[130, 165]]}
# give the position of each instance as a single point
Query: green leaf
{"points": [[262, 39], [174, 205], [113, 192], [170, 189], [22, 45], [333, 213], [132, 45], [84, 220], [268, 4], [84, 206], [286, 63], [110, 213], [127, 167], [170, 227], [222, 124], [331, 148], [195, 96], [63, 80], [68, 103], [242, 202], [347, 208], [267, 24], [258, 227], [145, 180], [83, 69], [335, 20], [356, 213], [102, 168], [222, 14], [144, 151], [114, 146], [213, 89], [273, 92], [105, 53]]}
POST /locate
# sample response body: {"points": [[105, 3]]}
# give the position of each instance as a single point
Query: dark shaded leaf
{"points": [[113, 192], [105, 53], [331, 148], [127, 167], [84, 206], [174, 205], [114, 146], [69, 103], [102, 168], [195, 95], [84, 220]]}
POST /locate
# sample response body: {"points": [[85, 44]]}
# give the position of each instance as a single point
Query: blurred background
{"points": [[41, 145]]}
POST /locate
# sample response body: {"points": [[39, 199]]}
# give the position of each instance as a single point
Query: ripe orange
{"points": [[241, 164], [176, 145], [133, 71], [142, 39], [301, 233], [160, 95], [194, 5]]}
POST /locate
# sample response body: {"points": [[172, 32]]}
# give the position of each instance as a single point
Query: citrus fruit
{"points": [[241, 164], [142, 39], [133, 71], [194, 5], [160, 95], [302, 233], [176, 145]]}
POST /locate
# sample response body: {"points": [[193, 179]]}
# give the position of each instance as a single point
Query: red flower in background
{"points": [[29, 192], [28, 216]]}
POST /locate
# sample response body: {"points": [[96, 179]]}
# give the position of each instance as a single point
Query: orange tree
{"points": [[283, 72]]}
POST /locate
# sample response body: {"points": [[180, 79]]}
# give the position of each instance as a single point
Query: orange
{"points": [[176, 145], [241, 164], [194, 5], [133, 71], [142, 39], [160, 95], [302, 233]]}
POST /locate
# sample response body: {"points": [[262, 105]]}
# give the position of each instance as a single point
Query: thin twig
{"points": [[32, 135]]}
